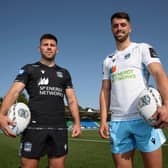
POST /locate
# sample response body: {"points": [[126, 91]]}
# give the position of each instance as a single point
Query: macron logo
{"points": [[43, 81]]}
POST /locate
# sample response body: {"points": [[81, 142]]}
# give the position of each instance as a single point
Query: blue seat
{"points": [[89, 124]]}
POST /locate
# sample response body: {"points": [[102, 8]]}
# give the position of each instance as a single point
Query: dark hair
{"points": [[120, 15], [48, 36]]}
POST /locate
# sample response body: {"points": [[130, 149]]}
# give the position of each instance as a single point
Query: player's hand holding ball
{"points": [[20, 114], [148, 102]]}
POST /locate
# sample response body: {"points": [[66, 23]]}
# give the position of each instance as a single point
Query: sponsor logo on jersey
{"points": [[51, 91], [128, 74], [46, 90], [153, 53], [113, 69], [43, 81]]}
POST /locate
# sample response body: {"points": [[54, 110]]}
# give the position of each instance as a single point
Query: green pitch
{"points": [[88, 151]]}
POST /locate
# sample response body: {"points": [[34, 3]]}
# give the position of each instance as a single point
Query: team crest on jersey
{"points": [[59, 74], [127, 56]]}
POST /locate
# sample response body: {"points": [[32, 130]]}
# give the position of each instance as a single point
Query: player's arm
{"points": [[104, 108], [73, 106], [161, 79], [9, 99]]}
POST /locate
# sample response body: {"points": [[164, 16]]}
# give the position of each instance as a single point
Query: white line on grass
{"points": [[88, 140], [92, 140]]}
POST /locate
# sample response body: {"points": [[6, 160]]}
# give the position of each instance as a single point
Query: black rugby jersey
{"points": [[46, 88]]}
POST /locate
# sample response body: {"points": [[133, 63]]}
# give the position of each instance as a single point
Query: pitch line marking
{"points": [[88, 140], [92, 140]]}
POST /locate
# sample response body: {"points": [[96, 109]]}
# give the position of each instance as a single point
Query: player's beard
{"points": [[51, 58], [121, 39]]}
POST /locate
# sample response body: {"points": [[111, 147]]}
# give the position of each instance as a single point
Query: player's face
{"points": [[48, 49], [121, 29]]}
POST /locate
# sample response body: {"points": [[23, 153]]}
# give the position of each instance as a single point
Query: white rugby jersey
{"points": [[128, 73]]}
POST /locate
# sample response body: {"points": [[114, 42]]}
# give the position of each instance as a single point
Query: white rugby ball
{"points": [[148, 101], [20, 114]]}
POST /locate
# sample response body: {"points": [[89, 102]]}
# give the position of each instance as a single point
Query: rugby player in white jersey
{"points": [[125, 75]]}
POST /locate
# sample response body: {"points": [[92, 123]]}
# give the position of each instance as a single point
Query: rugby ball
{"points": [[148, 101], [20, 114]]}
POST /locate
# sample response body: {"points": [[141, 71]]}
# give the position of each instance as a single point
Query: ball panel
{"points": [[20, 114], [148, 101]]}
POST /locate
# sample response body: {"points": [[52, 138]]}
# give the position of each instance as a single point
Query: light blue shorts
{"points": [[129, 135]]}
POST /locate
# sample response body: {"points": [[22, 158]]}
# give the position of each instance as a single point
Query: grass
{"points": [[88, 151]]}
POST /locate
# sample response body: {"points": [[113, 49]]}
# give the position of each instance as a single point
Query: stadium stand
{"points": [[89, 125]]}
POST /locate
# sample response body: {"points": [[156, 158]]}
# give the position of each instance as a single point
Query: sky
{"points": [[84, 37]]}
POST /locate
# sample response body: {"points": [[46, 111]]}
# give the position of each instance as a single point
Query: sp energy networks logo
{"points": [[46, 90], [43, 81]]}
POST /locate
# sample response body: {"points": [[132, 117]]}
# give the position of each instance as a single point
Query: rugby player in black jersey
{"points": [[46, 84]]}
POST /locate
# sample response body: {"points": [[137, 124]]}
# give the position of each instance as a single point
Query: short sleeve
{"points": [[105, 69], [68, 80], [149, 54], [23, 75]]}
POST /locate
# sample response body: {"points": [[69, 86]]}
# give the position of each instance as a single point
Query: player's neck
{"points": [[123, 45], [49, 63]]}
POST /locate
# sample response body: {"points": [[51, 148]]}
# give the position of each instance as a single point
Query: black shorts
{"points": [[39, 142]]}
